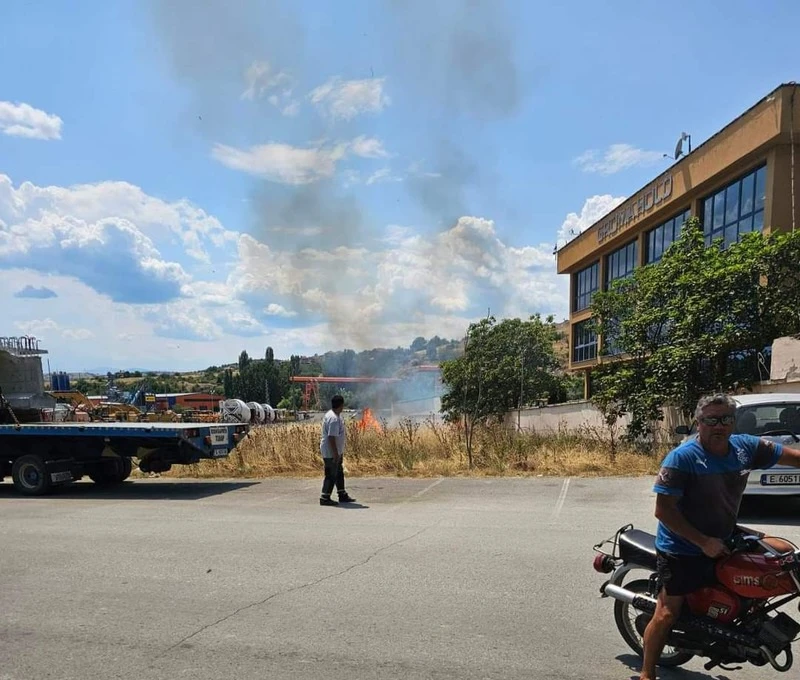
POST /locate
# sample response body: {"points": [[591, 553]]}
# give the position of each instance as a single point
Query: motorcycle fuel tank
{"points": [[754, 576], [714, 602]]}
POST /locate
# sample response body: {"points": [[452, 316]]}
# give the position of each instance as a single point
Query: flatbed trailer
{"points": [[41, 456]]}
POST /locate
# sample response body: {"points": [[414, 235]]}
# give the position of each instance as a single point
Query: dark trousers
{"points": [[334, 475]]}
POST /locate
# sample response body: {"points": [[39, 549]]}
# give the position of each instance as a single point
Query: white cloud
{"points": [[593, 209], [182, 320], [281, 162], [112, 255], [382, 175], [367, 147], [346, 99], [274, 309], [285, 103], [616, 158], [260, 78], [288, 164], [455, 272], [47, 328], [23, 120], [77, 333], [193, 227]]}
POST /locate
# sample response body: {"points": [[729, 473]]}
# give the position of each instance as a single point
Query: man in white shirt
{"points": [[331, 446]]}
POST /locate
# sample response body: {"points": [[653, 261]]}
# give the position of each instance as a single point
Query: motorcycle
{"points": [[734, 621]]}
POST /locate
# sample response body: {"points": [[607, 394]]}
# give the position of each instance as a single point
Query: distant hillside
{"points": [[377, 362]]}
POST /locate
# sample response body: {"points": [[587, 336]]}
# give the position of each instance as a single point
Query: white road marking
{"points": [[416, 495], [561, 498]]}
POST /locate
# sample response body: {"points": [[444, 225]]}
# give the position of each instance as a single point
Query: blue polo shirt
{"points": [[710, 487]]}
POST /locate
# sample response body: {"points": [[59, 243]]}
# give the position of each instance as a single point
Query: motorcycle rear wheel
{"points": [[625, 618]]}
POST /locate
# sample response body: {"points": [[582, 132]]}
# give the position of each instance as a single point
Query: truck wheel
{"points": [[30, 476], [126, 468], [111, 470]]}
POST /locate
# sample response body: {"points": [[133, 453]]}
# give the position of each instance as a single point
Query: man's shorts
{"points": [[683, 574]]}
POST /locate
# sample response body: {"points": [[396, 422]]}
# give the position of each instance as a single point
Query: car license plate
{"points": [[219, 436], [220, 453], [780, 479]]}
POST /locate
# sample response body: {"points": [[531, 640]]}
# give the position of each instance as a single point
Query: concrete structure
{"points": [[21, 375], [741, 179]]}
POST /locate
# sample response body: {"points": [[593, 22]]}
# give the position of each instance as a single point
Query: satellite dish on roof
{"points": [[679, 146]]}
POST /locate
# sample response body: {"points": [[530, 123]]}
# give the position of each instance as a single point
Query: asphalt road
{"points": [[435, 579]]}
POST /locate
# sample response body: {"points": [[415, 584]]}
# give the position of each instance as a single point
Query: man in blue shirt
{"points": [[699, 489]]}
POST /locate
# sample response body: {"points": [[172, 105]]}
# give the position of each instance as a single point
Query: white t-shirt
{"points": [[332, 426]]}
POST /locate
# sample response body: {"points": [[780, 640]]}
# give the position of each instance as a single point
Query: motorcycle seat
{"points": [[638, 547]]}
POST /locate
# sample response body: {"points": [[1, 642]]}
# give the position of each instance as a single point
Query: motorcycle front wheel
{"points": [[625, 616]]}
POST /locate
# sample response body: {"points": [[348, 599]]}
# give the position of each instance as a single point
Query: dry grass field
{"points": [[428, 449]]}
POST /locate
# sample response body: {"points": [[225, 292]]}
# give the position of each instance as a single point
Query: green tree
{"points": [[504, 365], [699, 320], [228, 384], [418, 344], [244, 359]]}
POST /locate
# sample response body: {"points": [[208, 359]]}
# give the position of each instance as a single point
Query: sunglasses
{"points": [[717, 420]]}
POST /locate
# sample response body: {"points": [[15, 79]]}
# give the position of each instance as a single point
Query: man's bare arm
{"points": [[332, 444], [668, 513], [790, 457]]}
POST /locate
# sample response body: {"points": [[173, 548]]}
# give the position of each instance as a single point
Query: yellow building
{"points": [[743, 178]]}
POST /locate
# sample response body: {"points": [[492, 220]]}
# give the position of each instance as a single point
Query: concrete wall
{"points": [[785, 363], [416, 408], [583, 417], [20, 375]]}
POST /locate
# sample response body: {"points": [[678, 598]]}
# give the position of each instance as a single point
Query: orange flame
{"points": [[368, 420]]}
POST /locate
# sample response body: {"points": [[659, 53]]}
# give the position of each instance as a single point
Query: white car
{"points": [[772, 416]]}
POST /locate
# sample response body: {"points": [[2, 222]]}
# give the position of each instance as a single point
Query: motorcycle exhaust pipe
{"points": [[647, 604], [642, 602]]}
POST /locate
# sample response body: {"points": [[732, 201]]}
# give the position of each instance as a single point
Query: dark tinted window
{"points": [[660, 238], [584, 342], [585, 286], [736, 209]]}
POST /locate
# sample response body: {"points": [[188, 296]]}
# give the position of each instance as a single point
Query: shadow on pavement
{"points": [[353, 506], [134, 490], [634, 664]]}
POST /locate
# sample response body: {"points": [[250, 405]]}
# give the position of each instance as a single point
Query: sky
{"points": [[183, 180]]}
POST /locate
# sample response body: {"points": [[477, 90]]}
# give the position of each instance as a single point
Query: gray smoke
{"points": [[454, 60], [209, 45], [459, 54], [319, 216], [458, 59]]}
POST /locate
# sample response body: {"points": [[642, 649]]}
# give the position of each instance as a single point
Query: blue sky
{"points": [[180, 181]]}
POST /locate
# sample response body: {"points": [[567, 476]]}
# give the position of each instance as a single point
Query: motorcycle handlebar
{"points": [[745, 543]]}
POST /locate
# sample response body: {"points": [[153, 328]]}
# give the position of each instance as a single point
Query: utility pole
{"points": [[521, 388]]}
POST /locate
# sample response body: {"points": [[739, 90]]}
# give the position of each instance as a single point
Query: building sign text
{"points": [[652, 196]]}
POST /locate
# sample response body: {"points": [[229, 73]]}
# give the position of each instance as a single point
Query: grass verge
{"points": [[426, 450]]}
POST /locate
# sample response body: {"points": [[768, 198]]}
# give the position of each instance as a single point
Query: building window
{"points": [[736, 209], [585, 286], [659, 239], [584, 342], [621, 263]]}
